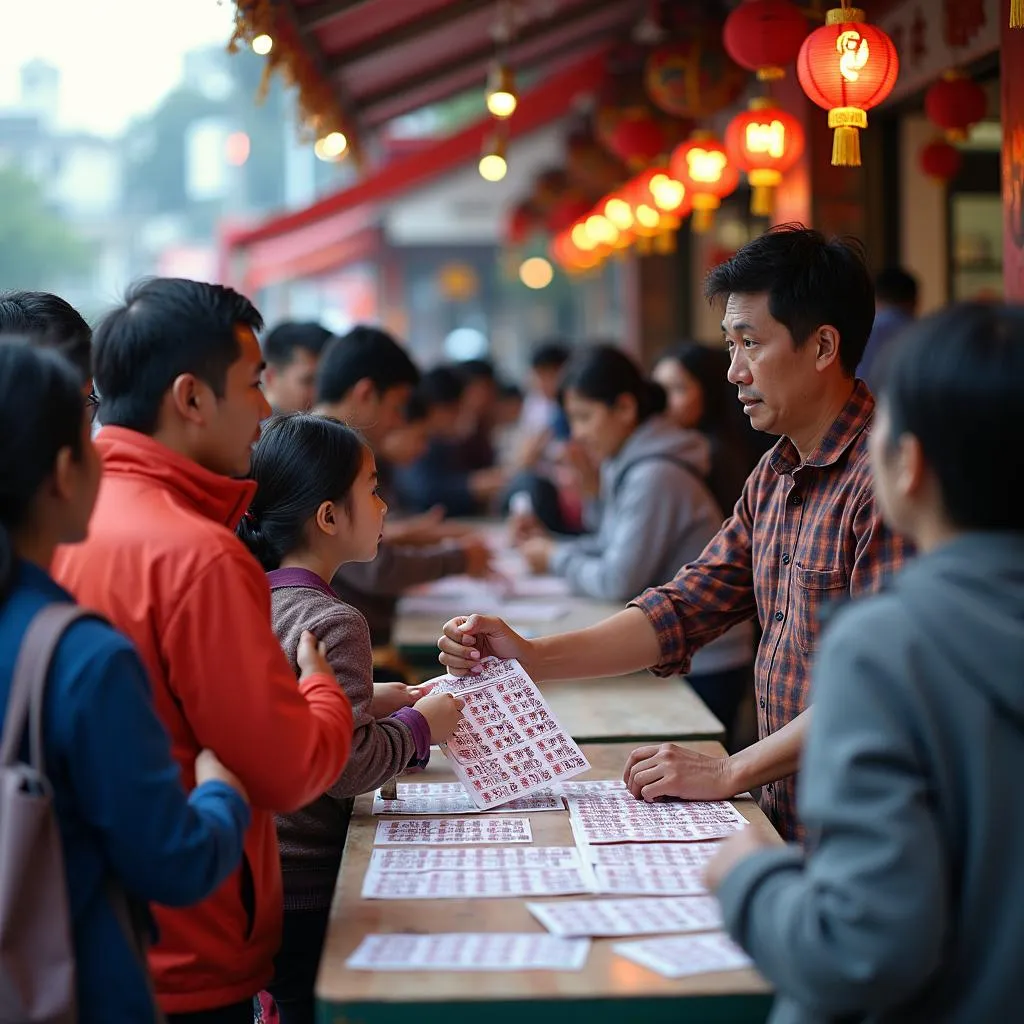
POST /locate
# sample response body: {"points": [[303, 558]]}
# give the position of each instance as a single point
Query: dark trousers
{"points": [[236, 1013], [296, 963], [724, 692]]}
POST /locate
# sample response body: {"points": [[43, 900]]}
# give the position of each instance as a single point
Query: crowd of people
{"points": [[263, 506]]}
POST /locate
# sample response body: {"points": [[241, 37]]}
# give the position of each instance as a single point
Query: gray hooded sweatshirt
{"points": [[654, 515], [909, 903]]}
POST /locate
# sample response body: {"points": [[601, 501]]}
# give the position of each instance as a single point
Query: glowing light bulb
{"points": [[331, 146], [262, 44], [493, 167]]}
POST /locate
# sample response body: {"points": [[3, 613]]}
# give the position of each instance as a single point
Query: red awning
{"points": [[342, 228]]}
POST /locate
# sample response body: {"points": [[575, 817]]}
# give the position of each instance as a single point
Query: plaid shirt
{"points": [[801, 536]]}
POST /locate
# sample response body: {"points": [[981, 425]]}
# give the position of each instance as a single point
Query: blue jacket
{"points": [[118, 798]]}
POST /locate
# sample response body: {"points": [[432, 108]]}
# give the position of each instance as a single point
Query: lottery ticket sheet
{"points": [[453, 831], [509, 743], [597, 918], [683, 955], [453, 798], [446, 885], [650, 869], [469, 952], [615, 816], [473, 858]]}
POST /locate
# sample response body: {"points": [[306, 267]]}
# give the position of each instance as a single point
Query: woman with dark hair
{"points": [[654, 513], [701, 398], [317, 507], [127, 829]]}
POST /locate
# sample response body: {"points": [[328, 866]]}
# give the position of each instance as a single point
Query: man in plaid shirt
{"points": [[798, 309]]}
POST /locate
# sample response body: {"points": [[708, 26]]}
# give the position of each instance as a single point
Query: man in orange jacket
{"points": [[178, 370]]}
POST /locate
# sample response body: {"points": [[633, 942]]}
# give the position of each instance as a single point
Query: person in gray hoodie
{"points": [[906, 904], [653, 512]]}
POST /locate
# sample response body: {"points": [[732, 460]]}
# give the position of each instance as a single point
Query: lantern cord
{"points": [[846, 146], [1016, 13]]}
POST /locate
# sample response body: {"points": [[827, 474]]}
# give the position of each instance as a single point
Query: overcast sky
{"points": [[117, 57]]}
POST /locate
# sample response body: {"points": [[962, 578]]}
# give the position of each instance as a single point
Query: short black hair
{"points": [[46, 320], [365, 353], [280, 343], [476, 369], [811, 280], [603, 373], [896, 286], [166, 326], [953, 381], [415, 409], [440, 386], [509, 392], [550, 355]]}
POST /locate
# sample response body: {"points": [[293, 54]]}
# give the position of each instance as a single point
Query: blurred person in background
{"points": [[896, 296], [701, 398], [439, 477], [292, 351], [366, 379], [475, 444]]}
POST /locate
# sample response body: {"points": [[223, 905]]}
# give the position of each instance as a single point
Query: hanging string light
{"points": [[493, 164]]}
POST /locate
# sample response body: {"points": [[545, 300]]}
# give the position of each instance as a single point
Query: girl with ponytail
{"points": [[125, 822], [316, 508], [652, 513]]}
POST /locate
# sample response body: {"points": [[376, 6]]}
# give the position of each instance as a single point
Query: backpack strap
{"points": [[28, 684], [654, 457]]}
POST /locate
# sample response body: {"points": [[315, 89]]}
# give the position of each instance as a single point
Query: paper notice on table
{"points": [[453, 798], [474, 858], [469, 952], [448, 885], [509, 743], [617, 817], [453, 831], [684, 955], [651, 881], [651, 855], [599, 918]]}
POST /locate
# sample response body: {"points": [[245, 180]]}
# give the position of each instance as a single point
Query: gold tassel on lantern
{"points": [[847, 122], [1016, 13], [763, 182]]}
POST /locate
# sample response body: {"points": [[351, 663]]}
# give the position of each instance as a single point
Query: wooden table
{"points": [[608, 989]]}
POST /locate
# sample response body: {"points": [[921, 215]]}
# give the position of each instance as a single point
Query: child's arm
{"points": [[381, 749]]}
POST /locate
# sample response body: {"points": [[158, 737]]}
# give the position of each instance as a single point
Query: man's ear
{"points": [[827, 346], [364, 390], [190, 398]]}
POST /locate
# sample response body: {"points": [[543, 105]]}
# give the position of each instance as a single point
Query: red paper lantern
{"points": [[657, 188], [954, 103], [765, 141], [764, 36], [637, 138], [693, 76], [702, 165], [941, 160], [847, 67]]}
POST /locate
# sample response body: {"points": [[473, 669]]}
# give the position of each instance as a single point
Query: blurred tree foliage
{"points": [[36, 244]]}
